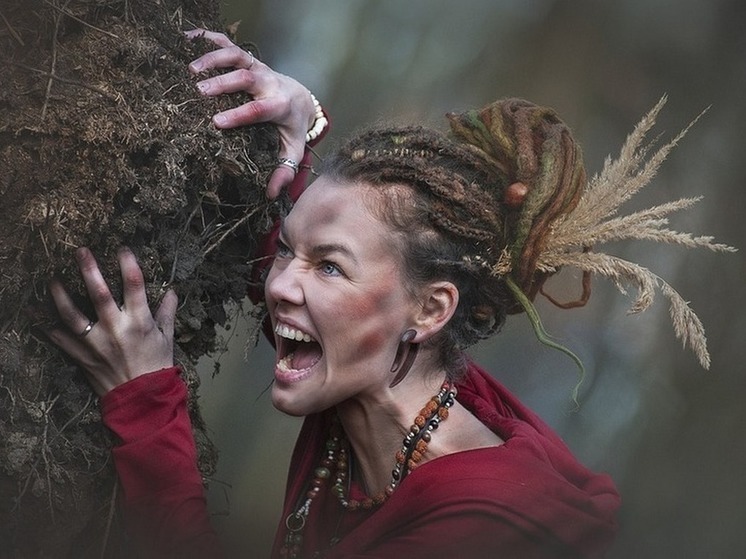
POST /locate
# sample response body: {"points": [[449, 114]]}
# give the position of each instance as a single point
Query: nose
{"points": [[284, 283]]}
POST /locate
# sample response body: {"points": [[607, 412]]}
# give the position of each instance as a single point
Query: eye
{"points": [[282, 250], [330, 269]]}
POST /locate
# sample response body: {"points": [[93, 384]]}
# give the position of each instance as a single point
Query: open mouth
{"points": [[297, 350]]}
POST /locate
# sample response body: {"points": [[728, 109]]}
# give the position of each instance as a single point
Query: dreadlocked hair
{"points": [[537, 153], [470, 207]]}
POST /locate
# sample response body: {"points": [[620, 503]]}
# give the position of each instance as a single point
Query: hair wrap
{"points": [[529, 144]]}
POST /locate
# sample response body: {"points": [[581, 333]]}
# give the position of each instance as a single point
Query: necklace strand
{"points": [[414, 447]]}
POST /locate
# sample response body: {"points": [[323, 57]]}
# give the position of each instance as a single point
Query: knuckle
{"points": [[99, 294], [244, 77]]}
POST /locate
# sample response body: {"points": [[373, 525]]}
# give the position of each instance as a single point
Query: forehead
{"points": [[330, 210]]}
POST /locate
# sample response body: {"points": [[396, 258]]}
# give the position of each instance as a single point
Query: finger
{"points": [[75, 320], [133, 283], [253, 112], [228, 57], [69, 343], [231, 82], [166, 313], [98, 289], [196, 33], [293, 148], [75, 348], [248, 113], [219, 39]]}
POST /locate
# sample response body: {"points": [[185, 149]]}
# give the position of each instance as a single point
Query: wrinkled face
{"points": [[336, 299]]}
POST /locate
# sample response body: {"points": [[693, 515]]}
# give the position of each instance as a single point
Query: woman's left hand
{"points": [[125, 342], [277, 98]]}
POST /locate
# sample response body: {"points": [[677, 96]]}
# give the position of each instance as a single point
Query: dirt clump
{"points": [[104, 142]]}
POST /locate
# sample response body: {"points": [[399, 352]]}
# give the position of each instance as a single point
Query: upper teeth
{"points": [[292, 334]]}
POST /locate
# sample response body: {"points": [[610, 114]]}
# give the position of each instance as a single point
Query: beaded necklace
{"points": [[337, 455]]}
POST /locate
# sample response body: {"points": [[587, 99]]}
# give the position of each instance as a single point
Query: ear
{"points": [[439, 303]]}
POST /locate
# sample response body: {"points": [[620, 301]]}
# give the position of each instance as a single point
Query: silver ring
{"points": [[289, 163], [87, 329], [251, 54]]}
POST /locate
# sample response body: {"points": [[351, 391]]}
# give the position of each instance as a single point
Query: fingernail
{"points": [[80, 252], [220, 120], [204, 87], [195, 66]]}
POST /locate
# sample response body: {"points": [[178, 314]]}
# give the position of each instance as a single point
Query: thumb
{"points": [[281, 177]]}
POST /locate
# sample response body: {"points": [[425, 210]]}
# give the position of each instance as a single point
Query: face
{"points": [[336, 300]]}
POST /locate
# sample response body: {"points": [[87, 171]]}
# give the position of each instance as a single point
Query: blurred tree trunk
{"points": [[104, 142]]}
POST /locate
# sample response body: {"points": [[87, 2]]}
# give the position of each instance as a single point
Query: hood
{"points": [[555, 490]]}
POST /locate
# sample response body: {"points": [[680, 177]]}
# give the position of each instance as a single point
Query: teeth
{"points": [[284, 363], [292, 334]]}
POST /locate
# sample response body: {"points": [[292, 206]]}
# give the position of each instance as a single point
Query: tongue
{"points": [[306, 355]]}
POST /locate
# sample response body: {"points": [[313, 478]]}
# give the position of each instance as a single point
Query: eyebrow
{"points": [[319, 251]]}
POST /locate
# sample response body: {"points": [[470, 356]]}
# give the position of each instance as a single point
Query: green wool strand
{"points": [[543, 337]]}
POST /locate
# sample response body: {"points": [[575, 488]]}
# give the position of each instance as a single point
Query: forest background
{"points": [[671, 434]]}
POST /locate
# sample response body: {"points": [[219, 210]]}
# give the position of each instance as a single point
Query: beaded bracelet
{"points": [[319, 121]]}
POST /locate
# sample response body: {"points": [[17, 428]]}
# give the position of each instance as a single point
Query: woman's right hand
{"points": [[125, 342], [276, 98]]}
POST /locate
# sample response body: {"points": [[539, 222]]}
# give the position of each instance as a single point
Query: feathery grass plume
{"points": [[592, 222]]}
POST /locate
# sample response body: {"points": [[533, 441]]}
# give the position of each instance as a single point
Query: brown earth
{"points": [[104, 142]]}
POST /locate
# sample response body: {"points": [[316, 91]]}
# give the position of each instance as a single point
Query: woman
{"points": [[410, 247]]}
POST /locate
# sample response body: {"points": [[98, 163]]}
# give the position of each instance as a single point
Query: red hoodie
{"points": [[527, 498]]}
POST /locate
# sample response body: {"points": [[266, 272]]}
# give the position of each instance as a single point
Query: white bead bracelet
{"points": [[319, 122]]}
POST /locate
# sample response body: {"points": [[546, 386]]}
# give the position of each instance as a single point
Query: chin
{"points": [[287, 404]]}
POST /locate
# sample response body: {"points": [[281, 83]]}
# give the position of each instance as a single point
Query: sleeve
{"points": [[156, 460]]}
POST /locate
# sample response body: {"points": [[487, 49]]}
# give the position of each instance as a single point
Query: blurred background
{"points": [[672, 435]]}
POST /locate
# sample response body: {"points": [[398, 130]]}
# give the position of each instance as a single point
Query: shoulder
{"points": [[493, 475], [458, 506], [503, 498]]}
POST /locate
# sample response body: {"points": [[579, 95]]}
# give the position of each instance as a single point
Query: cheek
{"points": [[371, 342], [375, 313]]}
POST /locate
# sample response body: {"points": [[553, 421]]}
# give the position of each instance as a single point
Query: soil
{"points": [[105, 142]]}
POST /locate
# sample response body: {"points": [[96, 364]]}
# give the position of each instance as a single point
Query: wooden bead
{"points": [[514, 195]]}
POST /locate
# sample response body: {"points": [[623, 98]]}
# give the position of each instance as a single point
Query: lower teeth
{"points": [[285, 364]]}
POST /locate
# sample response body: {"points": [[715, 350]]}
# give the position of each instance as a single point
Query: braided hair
{"points": [[469, 207]]}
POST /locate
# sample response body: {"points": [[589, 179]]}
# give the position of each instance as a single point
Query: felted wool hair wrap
{"points": [[529, 145]]}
